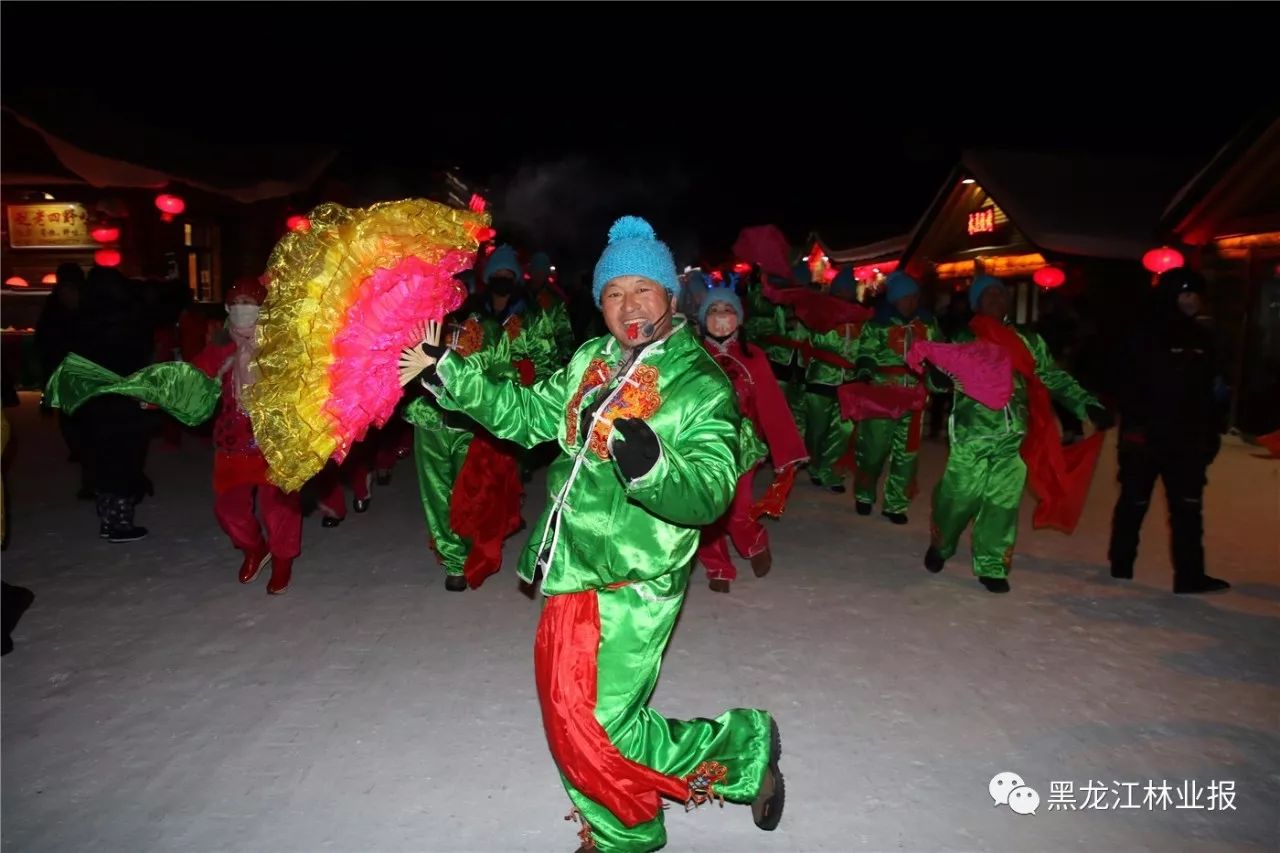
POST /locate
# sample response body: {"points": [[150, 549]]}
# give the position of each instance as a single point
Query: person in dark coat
{"points": [[55, 331], [1171, 420], [115, 332]]}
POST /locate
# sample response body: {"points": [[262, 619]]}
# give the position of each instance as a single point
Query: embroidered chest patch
{"points": [[514, 326], [470, 338], [638, 399]]}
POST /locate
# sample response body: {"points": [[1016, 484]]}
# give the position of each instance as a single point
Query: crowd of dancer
{"points": [[655, 435]]}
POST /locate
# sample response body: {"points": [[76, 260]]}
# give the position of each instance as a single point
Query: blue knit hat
{"points": [[844, 285], [719, 294], [980, 284], [503, 258], [634, 249], [540, 263], [899, 285]]}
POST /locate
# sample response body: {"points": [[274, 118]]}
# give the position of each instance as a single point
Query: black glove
{"points": [[635, 448], [435, 351], [1102, 418], [938, 379]]}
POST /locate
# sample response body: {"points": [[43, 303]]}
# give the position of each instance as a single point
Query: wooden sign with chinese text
{"points": [[49, 225]]}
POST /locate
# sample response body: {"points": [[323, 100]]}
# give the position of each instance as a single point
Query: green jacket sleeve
{"points": [[697, 471], [1061, 386], [527, 416]]}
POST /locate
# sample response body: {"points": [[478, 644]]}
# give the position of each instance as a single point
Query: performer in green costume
{"points": [[827, 432], [882, 349], [652, 447], [985, 472], [782, 338], [486, 333]]}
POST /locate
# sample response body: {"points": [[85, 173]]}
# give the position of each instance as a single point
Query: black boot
{"points": [[766, 810], [115, 512], [455, 583], [996, 585], [896, 517], [838, 489], [863, 508], [1122, 572], [361, 504], [1199, 585], [384, 478], [933, 560], [329, 522]]}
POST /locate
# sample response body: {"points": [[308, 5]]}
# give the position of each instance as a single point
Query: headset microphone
{"points": [[649, 328]]}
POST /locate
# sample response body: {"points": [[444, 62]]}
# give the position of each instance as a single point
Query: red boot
{"points": [[254, 561], [281, 570]]}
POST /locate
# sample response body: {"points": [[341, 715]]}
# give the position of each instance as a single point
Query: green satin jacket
{"points": [[597, 529], [840, 342], [885, 345], [972, 421]]}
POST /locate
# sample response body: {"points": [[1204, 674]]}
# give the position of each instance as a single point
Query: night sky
{"points": [[753, 115]]}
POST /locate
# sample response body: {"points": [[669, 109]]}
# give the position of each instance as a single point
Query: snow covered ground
{"points": [[154, 704]]}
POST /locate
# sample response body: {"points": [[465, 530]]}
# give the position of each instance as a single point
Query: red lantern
{"points": [[1049, 277], [1162, 259], [298, 223], [49, 278], [742, 267], [170, 206], [105, 234], [106, 258]]}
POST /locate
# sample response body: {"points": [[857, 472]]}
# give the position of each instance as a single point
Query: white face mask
{"points": [[243, 316], [722, 325]]}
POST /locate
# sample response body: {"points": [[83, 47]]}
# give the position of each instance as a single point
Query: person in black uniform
{"points": [[1171, 420]]}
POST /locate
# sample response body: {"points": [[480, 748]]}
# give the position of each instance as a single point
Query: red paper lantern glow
{"points": [[170, 206], [1049, 277], [1162, 259], [105, 234], [107, 258]]}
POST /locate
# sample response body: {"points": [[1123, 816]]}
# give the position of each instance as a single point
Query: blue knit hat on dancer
{"points": [[844, 285], [723, 295], [899, 285], [540, 263], [503, 259], [980, 284], [634, 249]]}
